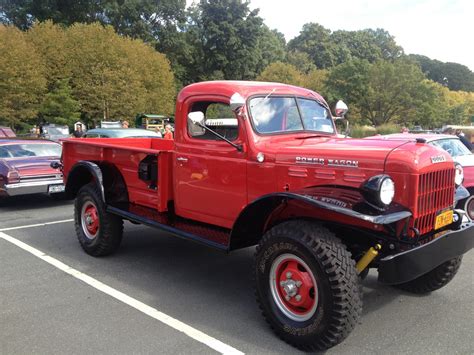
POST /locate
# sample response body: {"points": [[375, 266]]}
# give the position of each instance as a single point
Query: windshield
{"points": [[453, 146], [289, 114], [30, 150], [57, 131]]}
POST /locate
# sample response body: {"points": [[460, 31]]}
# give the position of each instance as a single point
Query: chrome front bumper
{"points": [[30, 187]]}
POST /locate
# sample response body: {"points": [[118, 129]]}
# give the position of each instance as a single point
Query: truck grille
{"points": [[435, 193]]}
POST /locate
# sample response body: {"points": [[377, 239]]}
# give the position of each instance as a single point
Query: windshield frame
{"points": [[295, 97]]}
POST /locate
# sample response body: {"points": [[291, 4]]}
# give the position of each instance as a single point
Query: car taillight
{"points": [[13, 177]]}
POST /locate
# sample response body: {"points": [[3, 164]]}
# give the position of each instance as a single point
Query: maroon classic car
{"points": [[25, 167]]}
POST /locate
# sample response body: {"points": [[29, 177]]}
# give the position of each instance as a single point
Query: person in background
{"points": [[463, 139], [158, 132], [124, 124], [78, 132], [168, 132], [404, 130]]}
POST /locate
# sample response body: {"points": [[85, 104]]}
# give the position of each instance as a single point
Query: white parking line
{"points": [[35, 225], [122, 297]]}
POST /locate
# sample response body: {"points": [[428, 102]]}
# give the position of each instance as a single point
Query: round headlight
{"points": [[387, 191], [379, 191], [459, 174]]}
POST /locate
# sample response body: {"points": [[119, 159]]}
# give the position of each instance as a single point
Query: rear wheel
{"points": [[433, 280], [98, 231], [307, 285]]}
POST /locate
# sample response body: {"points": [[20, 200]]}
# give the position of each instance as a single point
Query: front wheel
{"points": [[98, 231], [469, 207], [307, 285]]}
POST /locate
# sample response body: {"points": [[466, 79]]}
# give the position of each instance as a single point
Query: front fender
{"points": [[328, 204]]}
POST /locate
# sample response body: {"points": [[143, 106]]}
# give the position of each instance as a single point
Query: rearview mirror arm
{"points": [[236, 146]]}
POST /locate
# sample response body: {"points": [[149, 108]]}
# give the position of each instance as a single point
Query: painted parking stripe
{"points": [[35, 225], [122, 297]]}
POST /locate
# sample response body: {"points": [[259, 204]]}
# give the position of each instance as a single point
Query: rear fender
{"points": [[107, 177], [335, 205], [82, 173]]}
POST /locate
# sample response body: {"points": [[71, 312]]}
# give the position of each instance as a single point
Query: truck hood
{"points": [[36, 166], [337, 152]]}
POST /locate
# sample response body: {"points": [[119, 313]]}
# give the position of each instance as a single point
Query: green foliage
{"points": [[50, 43], [116, 77], [281, 73], [381, 92], [144, 19], [326, 49], [23, 13], [229, 37], [316, 80], [357, 131], [59, 106], [22, 81], [388, 128], [452, 75], [315, 41], [300, 60]]}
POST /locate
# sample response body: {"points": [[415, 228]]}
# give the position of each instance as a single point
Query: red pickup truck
{"points": [[262, 164]]}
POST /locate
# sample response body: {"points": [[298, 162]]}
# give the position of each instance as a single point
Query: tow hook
{"points": [[367, 258]]}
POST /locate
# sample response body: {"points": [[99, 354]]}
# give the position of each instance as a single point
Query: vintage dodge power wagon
{"points": [[262, 164]]}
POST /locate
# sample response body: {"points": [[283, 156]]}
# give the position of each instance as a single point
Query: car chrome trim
{"points": [[30, 187]]}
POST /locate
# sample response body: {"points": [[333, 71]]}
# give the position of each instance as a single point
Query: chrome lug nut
{"points": [[288, 275], [287, 297], [282, 283], [298, 283], [298, 297]]}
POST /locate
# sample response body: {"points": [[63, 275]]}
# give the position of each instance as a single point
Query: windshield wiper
{"points": [[313, 136]]}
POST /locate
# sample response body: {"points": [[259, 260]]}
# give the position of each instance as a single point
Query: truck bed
{"points": [[123, 156]]}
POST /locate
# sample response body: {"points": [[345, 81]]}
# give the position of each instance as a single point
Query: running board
{"points": [[201, 233]]}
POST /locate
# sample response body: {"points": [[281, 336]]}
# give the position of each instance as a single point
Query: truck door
{"points": [[210, 174]]}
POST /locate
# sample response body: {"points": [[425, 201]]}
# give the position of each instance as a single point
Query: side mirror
{"points": [[236, 102], [195, 120], [341, 109]]}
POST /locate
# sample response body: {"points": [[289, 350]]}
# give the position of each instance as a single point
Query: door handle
{"points": [[182, 159]]}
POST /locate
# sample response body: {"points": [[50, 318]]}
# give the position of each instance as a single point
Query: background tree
{"points": [[381, 92], [22, 81], [315, 41], [452, 75], [23, 13], [229, 35], [51, 44], [271, 48], [316, 80], [155, 77], [300, 60], [367, 44], [59, 105], [101, 79], [281, 73]]}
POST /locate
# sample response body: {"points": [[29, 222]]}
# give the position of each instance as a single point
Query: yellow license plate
{"points": [[443, 219]]}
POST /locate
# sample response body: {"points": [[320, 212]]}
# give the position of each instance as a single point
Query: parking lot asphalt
{"points": [[45, 310]]}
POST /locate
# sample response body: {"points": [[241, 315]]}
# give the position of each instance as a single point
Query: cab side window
{"points": [[220, 118]]}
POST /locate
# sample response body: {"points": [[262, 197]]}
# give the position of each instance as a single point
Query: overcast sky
{"points": [[439, 29]]}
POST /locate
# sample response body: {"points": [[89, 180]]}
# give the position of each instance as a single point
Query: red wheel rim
{"points": [[90, 220], [294, 288]]}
